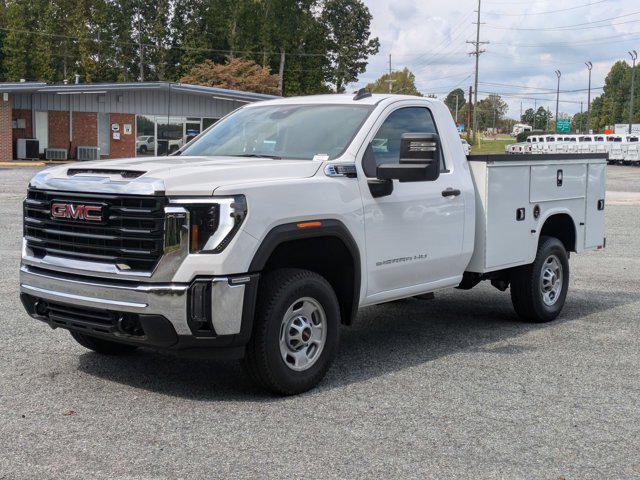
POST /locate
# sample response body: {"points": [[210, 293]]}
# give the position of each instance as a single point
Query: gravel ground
{"points": [[450, 388]]}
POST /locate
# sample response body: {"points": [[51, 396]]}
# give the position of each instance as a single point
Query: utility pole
{"points": [[389, 81], [141, 52], [634, 57], [581, 119], [281, 72], [589, 67], [456, 109], [477, 53], [558, 74], [469, 108]]}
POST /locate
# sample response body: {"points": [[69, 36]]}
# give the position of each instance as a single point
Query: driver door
{"points": [[414, 235]]}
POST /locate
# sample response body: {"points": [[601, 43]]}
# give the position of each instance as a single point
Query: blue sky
{"points": [[529, 40]]}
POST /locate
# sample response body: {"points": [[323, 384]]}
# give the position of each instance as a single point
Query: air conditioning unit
{"points": [[27, 149], [55, 153], [88, 153]]}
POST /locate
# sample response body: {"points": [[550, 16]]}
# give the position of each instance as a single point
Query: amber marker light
{"points": [[194, 238], [309, 224]]}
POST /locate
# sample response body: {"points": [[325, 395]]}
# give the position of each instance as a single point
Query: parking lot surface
{"points": [[454, 387]]}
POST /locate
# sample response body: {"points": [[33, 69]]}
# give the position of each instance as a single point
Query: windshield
{"points": [[283, 131]]}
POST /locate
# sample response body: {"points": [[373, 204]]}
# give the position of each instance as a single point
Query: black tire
{"points": [[279, 290], [143, 149], [526, 290], [99, 345]]}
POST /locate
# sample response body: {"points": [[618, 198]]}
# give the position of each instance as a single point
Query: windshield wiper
{"points": [[255, 155]]}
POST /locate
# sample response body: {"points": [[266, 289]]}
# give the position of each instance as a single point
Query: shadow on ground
{"points": [[385, 339]]}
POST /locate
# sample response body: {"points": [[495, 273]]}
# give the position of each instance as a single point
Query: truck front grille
{"points": [[130, 234]]}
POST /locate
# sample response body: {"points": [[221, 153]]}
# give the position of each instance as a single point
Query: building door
{"points": [[42, 130], [104, 133]]}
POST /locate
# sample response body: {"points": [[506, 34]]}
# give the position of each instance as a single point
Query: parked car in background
{"points": [[145, 144]]}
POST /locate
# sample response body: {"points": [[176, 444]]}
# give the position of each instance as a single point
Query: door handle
{"points": [[451, 192]]}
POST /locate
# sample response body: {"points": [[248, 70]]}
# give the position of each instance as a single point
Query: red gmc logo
{"points": [[90, 213]]}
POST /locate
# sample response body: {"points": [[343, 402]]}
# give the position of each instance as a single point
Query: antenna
{"points": [[362, 93]]}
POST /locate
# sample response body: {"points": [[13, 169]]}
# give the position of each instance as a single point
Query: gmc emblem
{"points": [[90, 213]]}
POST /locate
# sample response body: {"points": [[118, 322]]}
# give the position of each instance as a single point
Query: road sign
{"points": [[563, 125]]}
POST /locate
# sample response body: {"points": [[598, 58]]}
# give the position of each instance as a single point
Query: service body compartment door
{"points": [[508, 233], [594, 214], [557, 182]]}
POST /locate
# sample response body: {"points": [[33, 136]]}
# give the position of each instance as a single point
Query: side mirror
{"points": [[419, 159]]}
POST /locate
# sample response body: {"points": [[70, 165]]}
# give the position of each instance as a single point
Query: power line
{"points": [[152, 45], [450, 40], [585, 41], [576, 26], [522, 97], [527, 14], [543, 90]]}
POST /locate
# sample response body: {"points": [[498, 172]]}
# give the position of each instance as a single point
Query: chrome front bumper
{"points": [[230, 309]]}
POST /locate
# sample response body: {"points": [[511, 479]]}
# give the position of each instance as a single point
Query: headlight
{"points": [[214, 222]]}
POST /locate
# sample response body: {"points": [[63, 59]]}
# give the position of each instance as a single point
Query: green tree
{"points": [[456, 98], [3, 32], [236, 74], [347, 24], [490, 111], [528, 116], [579, 123], [19, 20], [402, 82]]}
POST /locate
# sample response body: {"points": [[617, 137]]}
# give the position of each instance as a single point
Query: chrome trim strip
{"points": [[195, 200], [226, 306], [82, 298], [98, 184]]}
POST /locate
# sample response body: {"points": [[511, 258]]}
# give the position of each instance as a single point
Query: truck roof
{"points": [[339, 98]]}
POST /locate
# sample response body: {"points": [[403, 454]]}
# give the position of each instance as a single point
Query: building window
{"points": [[145, 136], [159, 135]]}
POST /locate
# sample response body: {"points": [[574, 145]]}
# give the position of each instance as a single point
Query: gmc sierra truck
{"points": [[269, 230]]}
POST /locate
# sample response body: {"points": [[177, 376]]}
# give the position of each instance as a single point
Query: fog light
{"points": [[41, 308], [130, 325]]}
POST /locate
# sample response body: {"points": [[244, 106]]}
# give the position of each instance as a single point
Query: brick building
{"points": [[111, 120]]}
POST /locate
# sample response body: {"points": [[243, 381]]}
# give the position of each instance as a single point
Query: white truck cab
{"points": [[271, 228]]}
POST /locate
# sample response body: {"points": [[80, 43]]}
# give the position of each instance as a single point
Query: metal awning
{"points": [[95, 88]]}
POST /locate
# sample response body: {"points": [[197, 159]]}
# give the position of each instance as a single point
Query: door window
{"points": [[385, 146]]}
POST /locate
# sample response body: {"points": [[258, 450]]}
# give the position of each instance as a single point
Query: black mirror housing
{"points": [[419, 147], [419, 159], [406, 172]]}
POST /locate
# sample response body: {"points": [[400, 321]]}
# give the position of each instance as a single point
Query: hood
{"points": [[172, 175]]}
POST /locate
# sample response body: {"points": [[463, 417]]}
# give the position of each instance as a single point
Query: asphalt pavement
{"points": [[454, 387]]}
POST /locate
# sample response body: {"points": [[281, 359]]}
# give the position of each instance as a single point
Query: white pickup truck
{"points": [[269, 230]]}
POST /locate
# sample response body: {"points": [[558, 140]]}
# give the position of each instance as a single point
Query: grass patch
{"points": [[485, 147]]}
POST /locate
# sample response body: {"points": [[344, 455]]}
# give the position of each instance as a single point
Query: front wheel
{"points": [[296, 330], [539, 290]]}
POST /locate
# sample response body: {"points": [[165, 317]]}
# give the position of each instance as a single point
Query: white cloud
{"points": [[429, 38]]}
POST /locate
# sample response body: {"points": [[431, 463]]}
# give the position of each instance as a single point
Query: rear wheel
{"points": [[102, 346], [296, 329], [539, 290]]}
